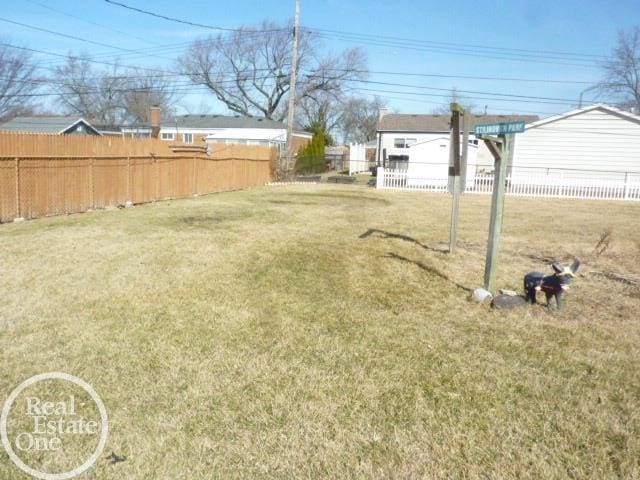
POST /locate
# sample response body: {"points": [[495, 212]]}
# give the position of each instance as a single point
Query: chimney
{"points": [[156, 120], [382, 112]]}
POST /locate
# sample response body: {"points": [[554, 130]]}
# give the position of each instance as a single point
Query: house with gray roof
{"points": [[398, 132], [223, 128], [56, 125]]}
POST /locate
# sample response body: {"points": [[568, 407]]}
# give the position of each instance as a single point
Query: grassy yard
{"points": [[321, 332]]}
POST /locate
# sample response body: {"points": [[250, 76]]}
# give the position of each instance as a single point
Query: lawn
{"points": [[323, 332]]}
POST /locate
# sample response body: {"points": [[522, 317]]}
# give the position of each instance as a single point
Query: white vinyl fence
{"points": [[529, 186], [358, 162]]}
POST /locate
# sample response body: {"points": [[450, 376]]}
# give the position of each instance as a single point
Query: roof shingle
{"points": [[41, 124], [440, 123], [223, 121]]}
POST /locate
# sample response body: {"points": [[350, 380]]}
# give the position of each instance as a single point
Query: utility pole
{"points": [[288, 160]]}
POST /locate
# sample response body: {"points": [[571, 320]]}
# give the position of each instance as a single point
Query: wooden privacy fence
{"points": [[44, 175]]}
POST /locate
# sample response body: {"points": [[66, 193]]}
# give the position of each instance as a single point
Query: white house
{"points": [[227, 129], [398, 132], [597, 143], [198, 128], [428, 162]]}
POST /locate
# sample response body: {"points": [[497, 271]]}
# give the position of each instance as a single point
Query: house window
{"points": [[168, 136], [403, 142], [187, 137]]}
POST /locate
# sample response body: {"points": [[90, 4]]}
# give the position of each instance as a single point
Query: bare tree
{"points": [[455, 97], [86, 91], [360, 119], [113, 96], [249, 70], [321, 113], [17, 81], [622, 69], [143, 91]]}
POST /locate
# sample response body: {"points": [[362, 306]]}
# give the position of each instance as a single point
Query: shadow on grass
{"points": [[288, 202], [399, 236], [355, 196], [427, 268]]}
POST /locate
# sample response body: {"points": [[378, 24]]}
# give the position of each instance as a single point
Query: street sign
{"points": [[499, 128]]}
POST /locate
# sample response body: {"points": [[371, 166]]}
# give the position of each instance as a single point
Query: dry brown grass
{"points": [[261, 334]]}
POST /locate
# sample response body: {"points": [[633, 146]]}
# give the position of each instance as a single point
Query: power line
{"points": [[450, 44], [90, 22], [71, 37], [420, 94], [398, 41], [506, 97], [472, 77], [462, 52], [563, 100], [73, 57], [193, 24]]}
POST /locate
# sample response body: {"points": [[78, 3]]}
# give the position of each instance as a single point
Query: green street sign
{"points": [[499, 128]]}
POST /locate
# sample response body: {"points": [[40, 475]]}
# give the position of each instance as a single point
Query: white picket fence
{"points": [[529, 186]]}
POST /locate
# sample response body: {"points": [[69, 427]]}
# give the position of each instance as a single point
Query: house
{"points": [[200, 128], [58, 125], [595, 143], [226, 129], [397, 133]]}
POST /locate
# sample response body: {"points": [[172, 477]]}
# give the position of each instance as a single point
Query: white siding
{"points": [[484, 158], [429, 163], [597, 140]]}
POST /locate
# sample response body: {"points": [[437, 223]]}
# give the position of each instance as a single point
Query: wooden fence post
{"points": [[91, 185], [454, 173], [194, 180], [129, 199], [17, 175], [500, 151], [157, 169]]}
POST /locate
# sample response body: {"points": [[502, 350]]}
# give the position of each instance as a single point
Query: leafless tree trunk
{"points": [[622, 70], [17, 81]]}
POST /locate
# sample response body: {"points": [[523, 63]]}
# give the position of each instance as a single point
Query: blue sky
{"points": [[581, 31]]}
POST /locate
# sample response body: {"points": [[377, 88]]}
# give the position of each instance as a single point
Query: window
{"points": [[187, 137], [168, 136], [403, 142]]}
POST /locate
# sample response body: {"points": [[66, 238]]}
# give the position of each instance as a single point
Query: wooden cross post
{"points": [[499, 148], [454, 172]]}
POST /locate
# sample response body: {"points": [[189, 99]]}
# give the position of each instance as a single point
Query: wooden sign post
{"points": [[454, 172], [499, 147]]}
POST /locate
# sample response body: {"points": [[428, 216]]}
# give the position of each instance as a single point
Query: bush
{"points": [[311, 157]]}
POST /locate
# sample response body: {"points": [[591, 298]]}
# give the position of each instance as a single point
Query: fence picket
{"points": [[533, 186], [43, 175]]}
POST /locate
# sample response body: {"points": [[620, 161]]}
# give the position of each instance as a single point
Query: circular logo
{"points": [[39, 411]]}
